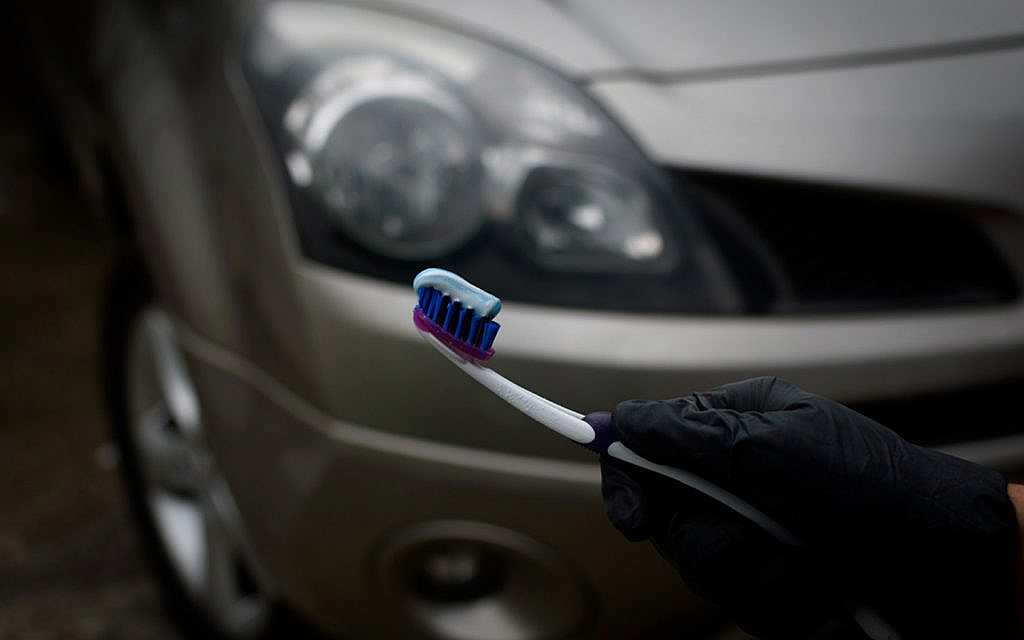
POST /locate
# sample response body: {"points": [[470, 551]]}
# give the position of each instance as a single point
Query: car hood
{"points": [[588, 37]]}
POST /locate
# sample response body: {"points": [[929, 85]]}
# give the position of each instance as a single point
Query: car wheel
{"points": [[190, 523]]}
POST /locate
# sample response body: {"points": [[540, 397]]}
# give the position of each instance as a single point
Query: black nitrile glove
{"points": [[928, 539]]}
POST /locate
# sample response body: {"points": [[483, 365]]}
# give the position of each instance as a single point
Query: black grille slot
{"points": [[977, 413], [799, 246]]}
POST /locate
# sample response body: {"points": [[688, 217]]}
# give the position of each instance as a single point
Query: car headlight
{"points": [[405, 144]]}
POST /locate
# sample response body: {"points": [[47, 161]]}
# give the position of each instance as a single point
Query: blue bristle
{"points": [[490, 331], [424, 294], [474, 330], [462, 324], [434, 305], [449, 316]]}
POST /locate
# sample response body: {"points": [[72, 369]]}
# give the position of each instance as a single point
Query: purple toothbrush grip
{"points": [[601, 423]]}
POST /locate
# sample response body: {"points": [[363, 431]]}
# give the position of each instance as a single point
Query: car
{"points": [[667, 197]]}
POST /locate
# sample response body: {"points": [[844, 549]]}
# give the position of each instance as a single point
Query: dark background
{"points": [[70, 562]]}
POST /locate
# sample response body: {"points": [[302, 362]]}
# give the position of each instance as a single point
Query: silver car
{"points": [[667, 196]]}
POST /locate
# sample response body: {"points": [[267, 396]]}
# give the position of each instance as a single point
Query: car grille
{"points": [[803, 247], [964, 415]]}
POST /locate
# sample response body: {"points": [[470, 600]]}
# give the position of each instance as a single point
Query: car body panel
{"points": [[820, 352], [587, 37], [338, 491], [159, 160], [336, 425], [668, 36], [952, 127]]}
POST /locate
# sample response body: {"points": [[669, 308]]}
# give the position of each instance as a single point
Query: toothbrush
{"points": [[457, 319]]}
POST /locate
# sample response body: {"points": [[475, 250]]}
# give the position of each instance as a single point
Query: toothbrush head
{"points": [[457, 313]]}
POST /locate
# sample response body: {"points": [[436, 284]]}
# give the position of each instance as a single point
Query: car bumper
{"points": [[327, 503], [405, 442]]}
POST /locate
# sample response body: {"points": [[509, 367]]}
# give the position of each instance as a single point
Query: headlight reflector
{"points": [[587, 218]]}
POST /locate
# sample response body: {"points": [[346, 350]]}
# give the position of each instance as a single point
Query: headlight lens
{"points": [[406, 144], [393, 158]]}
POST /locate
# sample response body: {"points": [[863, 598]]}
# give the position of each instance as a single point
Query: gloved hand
{"points": [[928, 539]]}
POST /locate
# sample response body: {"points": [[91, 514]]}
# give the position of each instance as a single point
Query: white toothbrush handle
{"points": [[571, 424]]}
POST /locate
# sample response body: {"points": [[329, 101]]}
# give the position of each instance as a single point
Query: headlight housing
{"points": [[406, 145]]}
